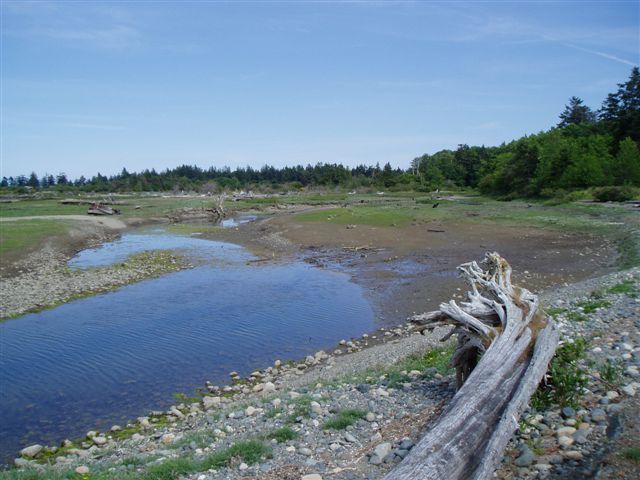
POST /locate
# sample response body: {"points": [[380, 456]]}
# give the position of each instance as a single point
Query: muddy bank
{"points": [[412, 269]]}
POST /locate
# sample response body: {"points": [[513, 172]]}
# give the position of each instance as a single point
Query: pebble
{"points": [[598, 415], [82, 470], [311, 476], [526, 457], [379, 453], [565, 441], [565, 431], [31, 451], [573, 455]]}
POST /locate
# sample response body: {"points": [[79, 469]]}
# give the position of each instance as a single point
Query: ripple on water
{"points": [[109, 358]]}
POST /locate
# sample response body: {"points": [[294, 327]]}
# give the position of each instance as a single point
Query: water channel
{"points": [[110, 358]]}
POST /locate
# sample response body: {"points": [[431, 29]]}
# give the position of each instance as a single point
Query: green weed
{"points": [[627, 287], [554, 311], [170, 469], [593, 305], [282, 435], [612, 371], [301, 408], [566, 378], [344, 419], [631, 453], [250, 452]]}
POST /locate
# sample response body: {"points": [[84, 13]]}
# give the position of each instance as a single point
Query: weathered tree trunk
{"points": [[516, 340]]}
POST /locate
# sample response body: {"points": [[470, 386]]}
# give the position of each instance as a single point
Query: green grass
{"points": [[627, 287], [591, 306], [250, 452], [383, 216], [344, 418], [273, 412], [576, 316], [26, 234], [301, 408], [435, 360], [554, 311], [282, 435], [135, 461], [29, 208], [201, 439], [171, 469], [612, 371], [631, 453]]}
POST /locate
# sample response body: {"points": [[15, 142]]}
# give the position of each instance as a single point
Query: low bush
{"points": [[566, 379], [613, 194]]}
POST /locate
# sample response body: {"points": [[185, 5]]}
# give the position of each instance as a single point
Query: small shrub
{"points": [[631, 453], [283, 434], [344, 419], [566, 379], [613, 194], [612, 371]]}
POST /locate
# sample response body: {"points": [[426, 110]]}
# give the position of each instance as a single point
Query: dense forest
{"points": [[587, 148]]}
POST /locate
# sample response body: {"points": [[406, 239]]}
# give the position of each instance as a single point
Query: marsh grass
{"points": [[27, 234]]}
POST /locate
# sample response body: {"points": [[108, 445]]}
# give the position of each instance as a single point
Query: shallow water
{"points": [[107, 359]]}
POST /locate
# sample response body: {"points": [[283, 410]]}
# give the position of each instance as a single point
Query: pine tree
{"points": [[575, 113]]}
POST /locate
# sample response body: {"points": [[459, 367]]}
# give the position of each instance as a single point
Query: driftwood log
{"points": [[505, 343]]}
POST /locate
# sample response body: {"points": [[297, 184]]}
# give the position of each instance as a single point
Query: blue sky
{"points": [[98, 86]]}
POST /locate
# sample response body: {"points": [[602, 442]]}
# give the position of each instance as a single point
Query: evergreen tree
{"points": [[576, 113], [33, 180]]}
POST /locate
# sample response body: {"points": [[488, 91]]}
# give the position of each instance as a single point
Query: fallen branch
{"points": [[504, 346]]}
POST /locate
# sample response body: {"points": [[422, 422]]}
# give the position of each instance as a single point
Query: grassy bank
{"points": [[618, 223]]}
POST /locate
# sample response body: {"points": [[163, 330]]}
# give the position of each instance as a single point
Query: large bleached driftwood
{"points": [[504, 346]]}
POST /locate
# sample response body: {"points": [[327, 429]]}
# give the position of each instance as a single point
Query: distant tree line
{"points": [[587, 148], [193, 178]]}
